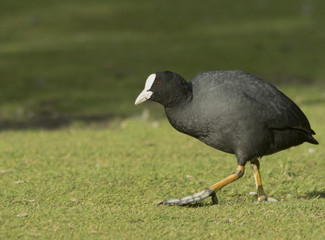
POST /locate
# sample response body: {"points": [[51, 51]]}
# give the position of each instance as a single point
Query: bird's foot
{"points": [[193, 198], [265, 198]]}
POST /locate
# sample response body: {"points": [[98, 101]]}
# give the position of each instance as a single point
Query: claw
{"points": [[269, 199], [265, 198], [214, 198], [192, 198]]}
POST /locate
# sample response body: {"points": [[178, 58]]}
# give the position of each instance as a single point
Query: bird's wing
{"points": [[245, 94], [274, 108]]}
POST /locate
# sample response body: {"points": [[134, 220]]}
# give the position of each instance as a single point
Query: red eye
{"points": [[158, 84]]}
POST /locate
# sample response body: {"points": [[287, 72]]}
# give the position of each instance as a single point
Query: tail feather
{"points": [[311, 139]]}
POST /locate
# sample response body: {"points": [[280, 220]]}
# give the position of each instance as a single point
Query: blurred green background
{"points": [[62, 61]]}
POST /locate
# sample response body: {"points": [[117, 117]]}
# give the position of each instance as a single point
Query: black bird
{"points": [[234, 112]]}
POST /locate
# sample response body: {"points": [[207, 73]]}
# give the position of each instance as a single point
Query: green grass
{"points": [[69, 63], [103, 182]]}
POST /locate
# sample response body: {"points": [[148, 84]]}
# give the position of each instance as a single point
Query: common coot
{"points": [[232, 111]]}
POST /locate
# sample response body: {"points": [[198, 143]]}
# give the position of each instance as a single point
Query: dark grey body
{"points": [[238, 113], [234, 112]]}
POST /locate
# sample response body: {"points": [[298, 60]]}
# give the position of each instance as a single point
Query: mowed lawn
{"points": [[103, 181]]}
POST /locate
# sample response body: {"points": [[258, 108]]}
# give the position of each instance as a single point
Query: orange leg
{"points": [[258, 181], [210, 191], [234, 176]]}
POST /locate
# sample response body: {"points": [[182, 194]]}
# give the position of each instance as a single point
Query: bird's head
{"points": [[166, 88]]}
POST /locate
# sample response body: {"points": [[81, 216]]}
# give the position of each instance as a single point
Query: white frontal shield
{"points": [[146, 94]]}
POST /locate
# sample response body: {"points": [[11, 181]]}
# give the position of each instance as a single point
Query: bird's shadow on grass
{"points": [[191, 205], [198, 205], [314, 194]]}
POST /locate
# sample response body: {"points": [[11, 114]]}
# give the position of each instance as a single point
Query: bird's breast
{"points": [[188, 122]]}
